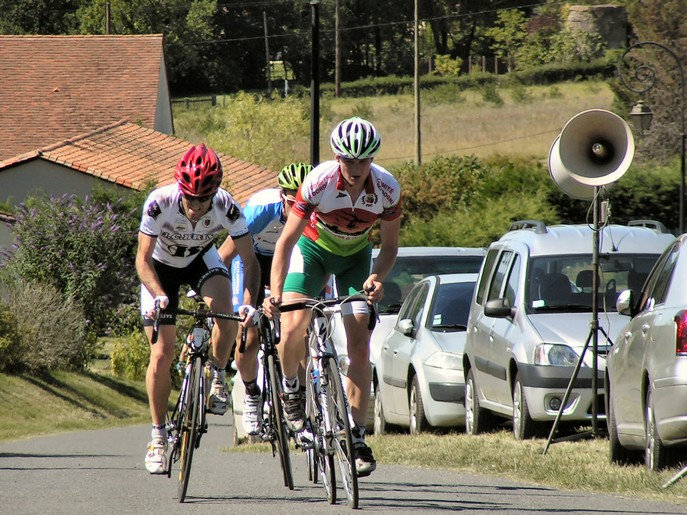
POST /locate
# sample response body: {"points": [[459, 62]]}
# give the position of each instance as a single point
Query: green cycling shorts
{"points": [[311, 266]]}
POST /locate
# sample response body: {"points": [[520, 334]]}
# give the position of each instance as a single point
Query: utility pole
{"points": [[107, 17], [267, 55], [337, 51], [416, 85], [315, 83]]}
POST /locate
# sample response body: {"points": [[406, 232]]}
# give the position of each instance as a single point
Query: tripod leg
{"points": [[567, 392]]}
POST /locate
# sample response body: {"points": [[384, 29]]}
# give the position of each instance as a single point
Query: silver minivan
{"points": [[530, 319]]}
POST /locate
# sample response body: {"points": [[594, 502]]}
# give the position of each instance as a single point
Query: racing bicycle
{"points": [[187, 422], [328, 411]]}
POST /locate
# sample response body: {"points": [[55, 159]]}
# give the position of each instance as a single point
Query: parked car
{"points": [[646, 372], [412, 264], [530, 319], [420, 370]]}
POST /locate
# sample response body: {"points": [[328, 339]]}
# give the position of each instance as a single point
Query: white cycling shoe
{"points": [[251, 415], [156, 456]]}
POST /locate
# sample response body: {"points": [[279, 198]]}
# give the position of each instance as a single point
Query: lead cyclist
{"points": [[175, 247], [328, 233]]}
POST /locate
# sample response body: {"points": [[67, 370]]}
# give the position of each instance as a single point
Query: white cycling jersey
{"points": [[178, 240]]}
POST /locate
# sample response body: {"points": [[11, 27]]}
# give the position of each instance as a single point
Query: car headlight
{"points": [[446, 360], [556, 355]]}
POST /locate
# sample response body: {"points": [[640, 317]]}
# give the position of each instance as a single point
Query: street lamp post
{"points": [[645, 77]]}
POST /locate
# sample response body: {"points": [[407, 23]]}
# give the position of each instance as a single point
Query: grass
{"points": [[581, 465], [67, 401], [520, 121]]}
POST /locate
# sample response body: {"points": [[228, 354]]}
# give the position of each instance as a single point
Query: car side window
{"points": [[486, 272], [659, 284], [408, 304], [500, 275], [513, 280], [415, 313]]}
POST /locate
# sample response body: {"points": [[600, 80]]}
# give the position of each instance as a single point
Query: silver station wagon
{"points": [[530, 318], [646, 372]]}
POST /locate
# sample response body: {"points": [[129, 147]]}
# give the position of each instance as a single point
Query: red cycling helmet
{"points": [[199, 172]]}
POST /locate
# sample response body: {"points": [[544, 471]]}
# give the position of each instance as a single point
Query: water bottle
{"points": [[315, 378]]}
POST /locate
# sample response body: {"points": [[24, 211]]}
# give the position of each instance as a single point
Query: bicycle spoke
{"points": [[343, 439], [279, 426], [189, 428]]}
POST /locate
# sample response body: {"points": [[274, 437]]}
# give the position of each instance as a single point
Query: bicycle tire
{"points": [[339, 412], [175, 424], [189, 428], [277, 415]]}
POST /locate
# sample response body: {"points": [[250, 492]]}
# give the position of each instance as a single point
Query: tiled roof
{"points": [[56, 86], [130, 155]]}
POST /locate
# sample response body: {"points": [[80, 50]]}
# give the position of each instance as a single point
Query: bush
{"points": [[50, 334], [130, 356], [83, 248]]}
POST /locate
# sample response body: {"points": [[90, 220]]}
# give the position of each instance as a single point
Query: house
{"points": [[55, 87], [120, 155]]}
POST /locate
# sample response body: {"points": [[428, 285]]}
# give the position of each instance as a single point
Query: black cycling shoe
{"points": [[293, 411], [364, 460]]}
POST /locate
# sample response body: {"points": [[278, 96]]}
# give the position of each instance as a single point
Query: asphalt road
{"points": [[102, 472]]}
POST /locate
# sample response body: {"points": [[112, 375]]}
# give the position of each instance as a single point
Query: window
{"points": [[486, 272], [513, 280], [500, 275]]}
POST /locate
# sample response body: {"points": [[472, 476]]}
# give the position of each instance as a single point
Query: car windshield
{"points": [[564, 282], [408, 270], [451, 307]]}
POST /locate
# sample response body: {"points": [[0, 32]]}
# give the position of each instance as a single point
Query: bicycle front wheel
{"points": [[189, 427], [277, 415], [343, 439]]}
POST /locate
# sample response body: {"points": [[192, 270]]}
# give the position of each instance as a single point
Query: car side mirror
{"points": [[498, 308], [624, 303], [406, 326]]}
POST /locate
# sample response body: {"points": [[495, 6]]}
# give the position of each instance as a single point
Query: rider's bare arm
{"points": [[144, 264], [293, 229], [388, 231]]}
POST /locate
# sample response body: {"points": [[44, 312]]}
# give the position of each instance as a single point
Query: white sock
{"points": [[291, 384], [158, 432]]}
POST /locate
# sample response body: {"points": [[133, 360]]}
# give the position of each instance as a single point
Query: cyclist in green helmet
{"points": [[266, 212]]}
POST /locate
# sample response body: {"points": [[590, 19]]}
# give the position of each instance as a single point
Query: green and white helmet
{"points": [[291, 176], [355, 138]]}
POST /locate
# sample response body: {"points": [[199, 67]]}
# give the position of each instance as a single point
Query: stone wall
{"points": [[609, 21]]}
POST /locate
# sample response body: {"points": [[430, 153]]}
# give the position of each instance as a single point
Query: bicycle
{"points": [[328, 411], [187, 422], [273, 427]]}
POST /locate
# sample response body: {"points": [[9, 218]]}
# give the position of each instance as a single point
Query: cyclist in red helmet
{"points": [[175, 248]]}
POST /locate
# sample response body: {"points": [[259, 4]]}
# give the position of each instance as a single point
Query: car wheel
{"points": [[524, 427], [379, 424], [618, 454], [655, 454], [477, 419], [418, 419]]}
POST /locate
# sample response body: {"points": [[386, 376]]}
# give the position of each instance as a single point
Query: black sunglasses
{"points": [[200, 200]]}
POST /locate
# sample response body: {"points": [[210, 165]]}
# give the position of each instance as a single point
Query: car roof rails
{"points": [[651, 224], [538, 226]]}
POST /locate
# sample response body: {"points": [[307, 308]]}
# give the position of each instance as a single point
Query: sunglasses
{"points": [[289, 200], [198, 200]]}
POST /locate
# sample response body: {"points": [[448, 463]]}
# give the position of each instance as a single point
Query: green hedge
{"points": [[546, 74]]}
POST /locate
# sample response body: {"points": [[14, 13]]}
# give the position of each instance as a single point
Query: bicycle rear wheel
{"points": [[343, 439], [189, 427], [277, 415]]}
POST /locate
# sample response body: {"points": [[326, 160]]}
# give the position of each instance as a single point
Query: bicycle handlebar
{"points": [[198, 313]]}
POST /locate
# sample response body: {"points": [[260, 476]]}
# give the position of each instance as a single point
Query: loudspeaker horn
{"points": [[595, 148]]}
